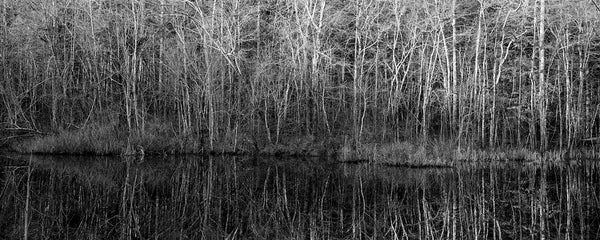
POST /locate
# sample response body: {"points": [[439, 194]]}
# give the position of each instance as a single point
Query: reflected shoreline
{"points": [[257, 198]]}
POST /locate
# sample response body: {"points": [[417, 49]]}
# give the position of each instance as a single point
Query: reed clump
{"points": [[108, 139], [93, 138]]}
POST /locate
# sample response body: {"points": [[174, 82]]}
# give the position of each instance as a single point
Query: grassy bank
{"points": [[439, 153], [108, 139], [98, 139]]}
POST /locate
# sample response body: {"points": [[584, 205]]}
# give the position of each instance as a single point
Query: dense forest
{"points": [[485, 72]]}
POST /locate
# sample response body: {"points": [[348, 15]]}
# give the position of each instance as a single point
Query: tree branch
{"points": [[596, 5]]}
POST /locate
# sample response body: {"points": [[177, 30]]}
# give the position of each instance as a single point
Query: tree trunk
{"points": [[542, 80]]}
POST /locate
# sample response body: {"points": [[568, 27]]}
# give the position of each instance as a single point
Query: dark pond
{"points": [[247, 198]]}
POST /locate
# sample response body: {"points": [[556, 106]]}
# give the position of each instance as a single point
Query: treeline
{"points": [[490, 72]]}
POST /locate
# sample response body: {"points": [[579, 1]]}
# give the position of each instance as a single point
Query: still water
{"points": [[192, 197]]}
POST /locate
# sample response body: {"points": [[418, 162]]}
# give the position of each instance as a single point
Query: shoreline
{"points": [[100, 141]]}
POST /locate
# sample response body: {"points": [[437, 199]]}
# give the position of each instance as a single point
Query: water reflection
{"points": [[192, 197]]}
